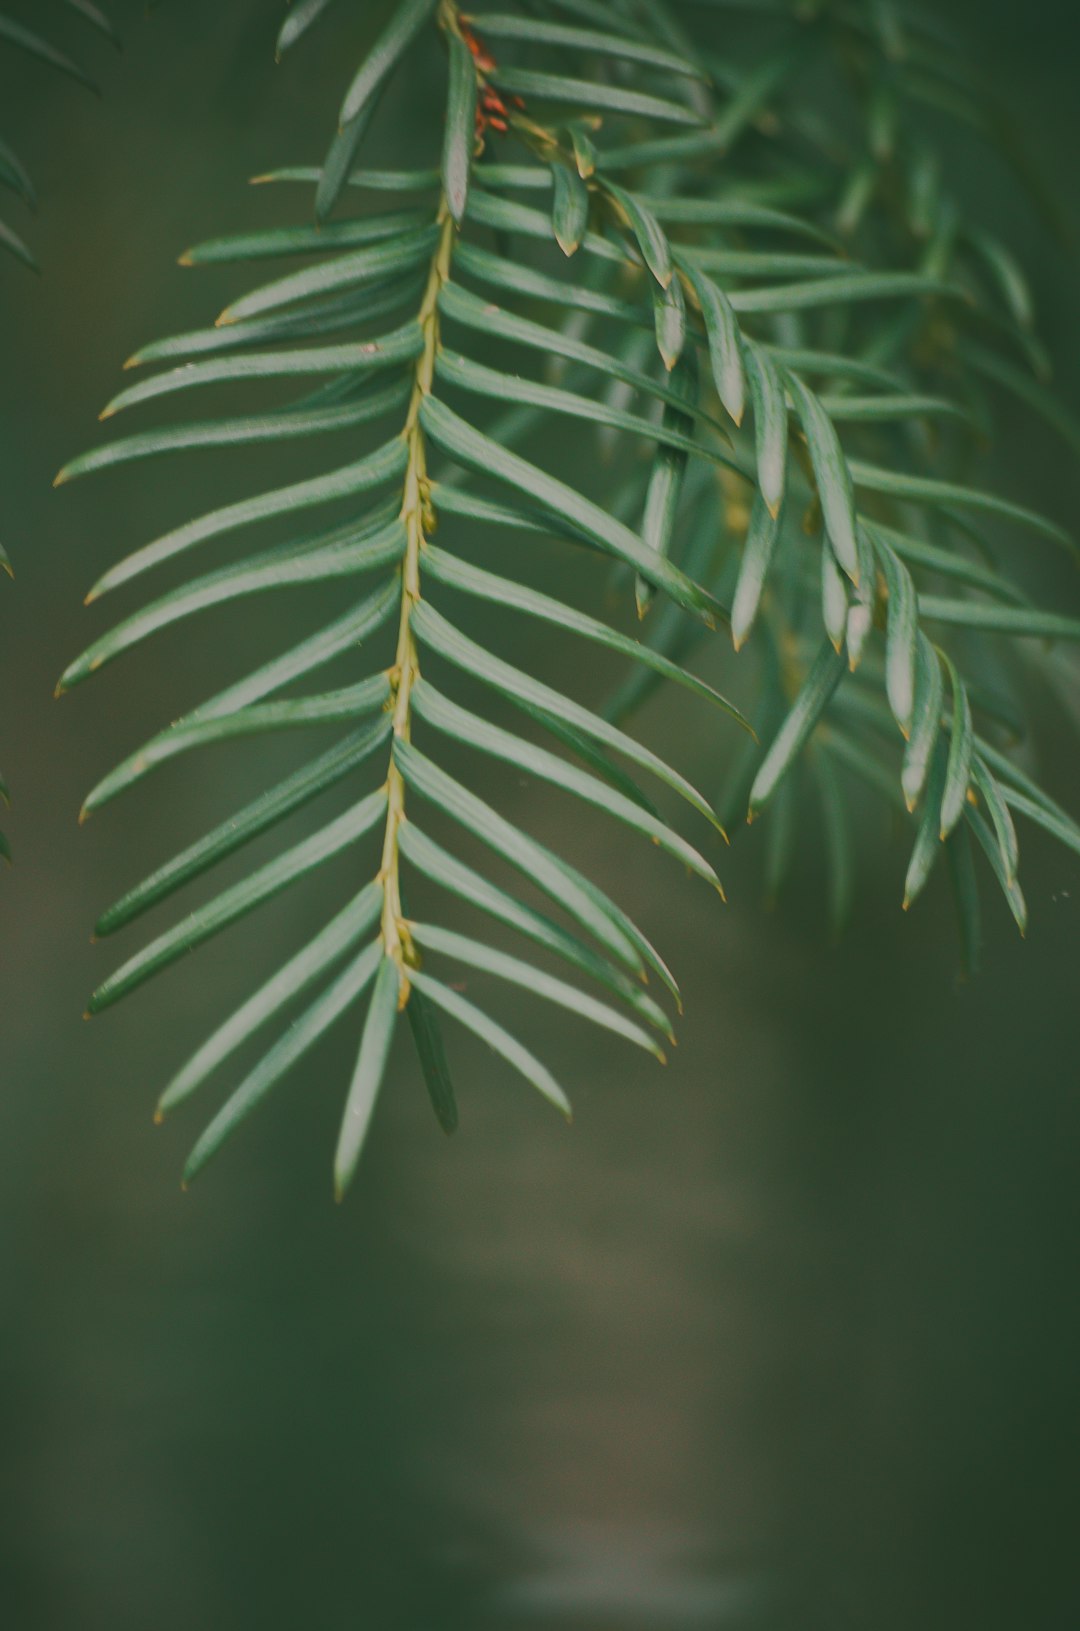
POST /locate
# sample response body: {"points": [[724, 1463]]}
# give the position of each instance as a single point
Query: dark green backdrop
{"points": [[784, 1336]]}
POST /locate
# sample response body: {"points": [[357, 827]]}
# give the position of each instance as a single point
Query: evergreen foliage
{"points": [[750, 280]]}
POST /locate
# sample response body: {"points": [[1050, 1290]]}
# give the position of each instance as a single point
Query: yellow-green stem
{"points": [[416, 517]]}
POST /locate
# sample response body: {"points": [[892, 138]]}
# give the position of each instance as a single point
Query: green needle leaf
{"points": [[961, 746], [570, 208], [649, 234], [433, 630], [928, 844], [240, 899], [340, 936], [530, 978], [501, 1041], [367, 1078], [267, 572], [725, 344], [459, 574], [925, 721], [298, 1040], [902, 635], [586, 905], [583, 93], [476, 451], [1000, 816], [408, 19], [825, 675], [460, 135], [468, 727], [534, 31], [366, 475], [770, 425], [265, 812], [831, 475], [757, 555], [427, 1038], [666, 478], [302, 15], [470, 886]]}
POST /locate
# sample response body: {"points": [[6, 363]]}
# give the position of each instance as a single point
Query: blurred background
{"points": [[783, 1336]]}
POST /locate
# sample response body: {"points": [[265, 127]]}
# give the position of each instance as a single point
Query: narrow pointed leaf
{"points": [[834, 600], [428, 1041], [402, 345], [583, 93], [474, 376], [196, 728], [478, 452], [393, 255], [489, 319], [725, 345], [669, 308], [569, 209], [806, 711], [472, 887], [535, 31], [378, 1035], [530, 978], [408, 19], [544, 869], [460, 134], [459, 574], [928, 845], [251, 429], [1014, 895], [1017, 621], [925, 721], [927, 490], [478, 733], [298, 1040], [302, 14], [666, 480], [340, 936], [761, 536], [240, 899], [961, 746], [1000, 817], [433, 630], [268, 572], [366, 475], [901, 637], [831, 475], [649, 234], [258, 817], [25, 39], [770, 426], [467, 1014]]}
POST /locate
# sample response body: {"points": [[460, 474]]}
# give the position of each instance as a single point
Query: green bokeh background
{"points": [[782, 1336]]}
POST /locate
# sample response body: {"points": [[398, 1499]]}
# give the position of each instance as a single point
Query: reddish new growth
{"points": [[491, 110]]}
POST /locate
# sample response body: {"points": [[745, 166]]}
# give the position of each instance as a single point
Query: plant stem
{"points": [[417, 518]]}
